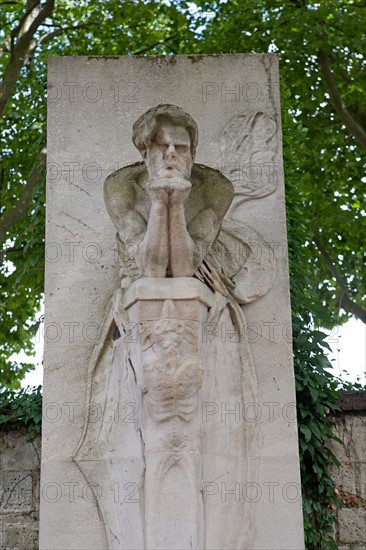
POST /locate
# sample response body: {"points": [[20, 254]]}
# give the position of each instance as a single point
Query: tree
{"points": [[30, 34], [320, 45]]}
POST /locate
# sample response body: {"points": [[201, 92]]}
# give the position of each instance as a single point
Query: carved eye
{"points": [[163, 146], [181, 148]]}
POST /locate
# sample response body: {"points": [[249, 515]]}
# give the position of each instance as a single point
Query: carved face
{"points": [[168, 342], [169, 154], [167, 336]]}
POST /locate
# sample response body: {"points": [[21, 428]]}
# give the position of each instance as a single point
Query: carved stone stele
{"points": [[183, 270], [166, 281]]}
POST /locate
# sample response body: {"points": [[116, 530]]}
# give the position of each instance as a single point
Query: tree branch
{"points": [[32, 5], [42, 15], [352, 125], [298, 3], [345, 302], [23, 48], [17, 211], [163, 41], [47, 37]]}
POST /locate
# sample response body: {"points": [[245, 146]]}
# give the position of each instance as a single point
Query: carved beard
{"points": [[176, 167], [172, 163]]}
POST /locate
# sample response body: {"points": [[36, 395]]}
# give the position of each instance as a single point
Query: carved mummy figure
{"points": [[172, 377]]}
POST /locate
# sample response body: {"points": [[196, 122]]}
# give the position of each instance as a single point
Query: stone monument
{"points": [[172, 427]]}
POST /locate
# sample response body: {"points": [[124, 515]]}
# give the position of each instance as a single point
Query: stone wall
{"points": [[350, 476], [19, 482], [19, 491]]}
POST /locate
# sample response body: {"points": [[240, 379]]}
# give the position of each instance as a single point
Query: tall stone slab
{"points": [[169, 398]]}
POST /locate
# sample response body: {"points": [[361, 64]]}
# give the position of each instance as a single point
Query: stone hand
{"points": [[179, 190], [158, 190]]}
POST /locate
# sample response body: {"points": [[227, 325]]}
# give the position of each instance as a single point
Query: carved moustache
{"points": [[171, 163]]}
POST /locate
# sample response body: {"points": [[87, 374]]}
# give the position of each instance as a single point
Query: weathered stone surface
{"points": [[16, 492], [234, 102], [20, 536], [350, 478], [270, 495], [16, 453], [351, 430], [19, 491], [352, 525]]}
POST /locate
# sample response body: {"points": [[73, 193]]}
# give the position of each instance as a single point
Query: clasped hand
{"points": [[169, 190]]}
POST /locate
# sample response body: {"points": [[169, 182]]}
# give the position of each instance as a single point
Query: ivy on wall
{"points": [[316, 388], [22, 409]]}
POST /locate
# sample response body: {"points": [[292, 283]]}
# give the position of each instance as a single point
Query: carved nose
{"points": [[171, 149]]}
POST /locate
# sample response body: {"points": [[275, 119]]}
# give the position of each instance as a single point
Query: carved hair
{"points": [[146, 126]]}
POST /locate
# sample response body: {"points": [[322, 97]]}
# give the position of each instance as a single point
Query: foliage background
{"points": [[324, 119]]}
